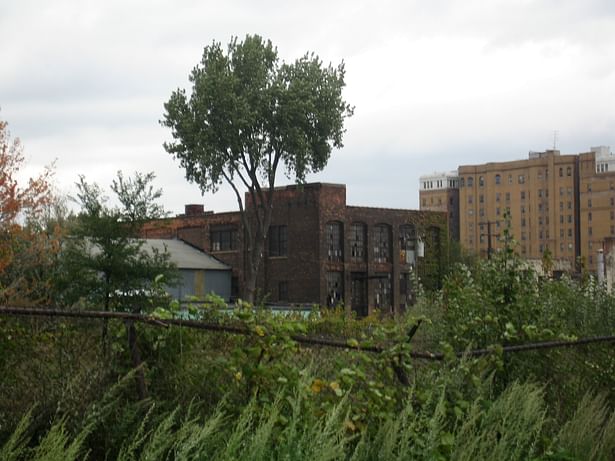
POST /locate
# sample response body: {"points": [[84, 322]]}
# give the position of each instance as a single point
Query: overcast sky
{"points": [[435, 84]]}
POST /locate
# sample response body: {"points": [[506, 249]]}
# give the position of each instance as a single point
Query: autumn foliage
{"points": [[23, 247]]}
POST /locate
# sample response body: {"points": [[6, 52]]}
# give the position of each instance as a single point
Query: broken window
{"points": [[278, 241], [335, 241], [406, 291], [382, 291], [335, 288], [357, 242], [407, 244], [382, 243], [223, 238]]}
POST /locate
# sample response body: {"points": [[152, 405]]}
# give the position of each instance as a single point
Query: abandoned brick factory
{"points": [[320, 250]]}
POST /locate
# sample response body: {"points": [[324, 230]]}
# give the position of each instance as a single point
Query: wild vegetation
{"points": [[262, 396]]}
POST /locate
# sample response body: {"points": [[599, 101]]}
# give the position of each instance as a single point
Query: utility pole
{"points": [[489, 237]]}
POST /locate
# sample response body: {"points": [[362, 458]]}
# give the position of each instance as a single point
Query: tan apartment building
{"points": [[597, 202], [561, 203], [440, 192]]}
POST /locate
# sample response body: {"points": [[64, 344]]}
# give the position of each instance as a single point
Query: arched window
{"points": [[335, 241], [358, 242], [382, 243]]}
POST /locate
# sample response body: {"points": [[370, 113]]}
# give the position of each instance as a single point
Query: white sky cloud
{"points": [[435, 84]]}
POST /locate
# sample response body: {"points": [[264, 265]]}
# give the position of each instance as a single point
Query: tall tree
{"points": [[105, 262], [249, 115], [25, 252]]}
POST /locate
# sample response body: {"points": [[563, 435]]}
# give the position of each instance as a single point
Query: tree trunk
{"points": [[137, 363]]}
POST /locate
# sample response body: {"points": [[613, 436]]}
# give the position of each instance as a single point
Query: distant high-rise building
{"points": [[563, 205], [440, 192]]}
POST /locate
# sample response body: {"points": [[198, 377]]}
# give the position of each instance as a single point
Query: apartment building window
{"points": [[462, 182], [590, 244], [522, 208], [561, 233], [335, 241], [424, 202], [540, 207], [223, 238], [510, 179], [498, 179], [569, 247], [522, 195], [521, 179], [382, 243], [589, 203], [522, 222], [589, 230], [561, 247], [612, 201], [497, 196], [568, 171], [542, 247], [539, 193], [589, 216], [497, 211], [612, 214], [612, 230], [470, 181], [569, 191], [570, 205], [561, 219], [561, 191], [540, 175], [481, 212], [569, 233], [508, 196], [278, 241], [335, 288], [561, 206], [561, 172], [569, 219], [481, 181], [540, 236], [589, 188], [470, 199], [540, 220], [481, 198], [471, 211], [523, 236], [358, 242]]}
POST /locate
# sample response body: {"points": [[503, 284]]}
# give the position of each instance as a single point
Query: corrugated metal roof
{"points": [[185, 256]]}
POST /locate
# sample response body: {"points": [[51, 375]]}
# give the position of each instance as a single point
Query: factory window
{"points": [[278, 241], [335, 241], [335, 288], [407, 244], [223, 239], [382, 243], [382, 292], [357, 242]]}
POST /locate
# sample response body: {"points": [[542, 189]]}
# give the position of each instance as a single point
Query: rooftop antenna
{"points": [[555, 133]]}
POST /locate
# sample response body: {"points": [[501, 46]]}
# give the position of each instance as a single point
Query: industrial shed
{"points": [[200, 273]]}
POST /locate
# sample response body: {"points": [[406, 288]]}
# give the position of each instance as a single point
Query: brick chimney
{"points": [[194, 209]]}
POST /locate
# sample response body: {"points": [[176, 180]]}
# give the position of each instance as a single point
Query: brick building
{"points": [[321, 250]]}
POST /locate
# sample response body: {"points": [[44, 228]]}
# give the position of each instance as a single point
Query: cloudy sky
{"points": [[434, 83]]}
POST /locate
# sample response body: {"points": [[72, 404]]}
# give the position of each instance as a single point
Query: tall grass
{"points": [[514, 426]]}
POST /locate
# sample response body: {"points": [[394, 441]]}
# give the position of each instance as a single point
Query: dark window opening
{"points": [[359, 293], [382, 292], [283, 291], [335, 288], [278, 241], [407, 244], [223, 239]]}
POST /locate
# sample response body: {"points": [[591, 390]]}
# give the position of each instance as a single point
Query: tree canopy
{"points": [[250, 114]]}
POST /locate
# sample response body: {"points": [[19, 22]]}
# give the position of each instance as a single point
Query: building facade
{"points": [[322, 251], [560, 205], [440, 192]]}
